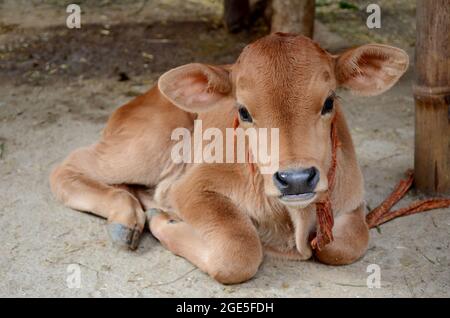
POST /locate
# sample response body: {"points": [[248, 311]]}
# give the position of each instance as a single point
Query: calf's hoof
{"points": [[123, 236]]}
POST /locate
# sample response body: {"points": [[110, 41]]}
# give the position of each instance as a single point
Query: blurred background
{"points": [[126, 38]]}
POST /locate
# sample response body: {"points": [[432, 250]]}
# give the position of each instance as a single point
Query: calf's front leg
{"points": [[78, 188]]}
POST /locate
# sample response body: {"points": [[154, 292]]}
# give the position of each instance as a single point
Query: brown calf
{"points": [[222, 217]]}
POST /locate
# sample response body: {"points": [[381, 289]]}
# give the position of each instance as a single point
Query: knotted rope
{"points": [[324, 210]]}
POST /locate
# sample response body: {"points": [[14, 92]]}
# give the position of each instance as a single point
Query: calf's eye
{"points": [[244, 114], [328, 106]]}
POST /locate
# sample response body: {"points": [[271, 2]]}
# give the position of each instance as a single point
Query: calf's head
{"points": [[288, 82]]}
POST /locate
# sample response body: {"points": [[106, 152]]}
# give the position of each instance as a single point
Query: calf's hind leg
{"points": [[77, 186]]}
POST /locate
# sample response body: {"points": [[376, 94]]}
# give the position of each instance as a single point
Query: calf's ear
{"points": [[196, 87], [370, 69]]}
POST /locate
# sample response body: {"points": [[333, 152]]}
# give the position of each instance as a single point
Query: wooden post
{"points": [[432, 97], [293, 16], [236, 14]]}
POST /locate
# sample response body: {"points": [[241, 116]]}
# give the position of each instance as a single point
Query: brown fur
{"points": [[227, 216]]}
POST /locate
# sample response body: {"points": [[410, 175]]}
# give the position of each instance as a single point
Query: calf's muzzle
{"points": [[297, 182]]}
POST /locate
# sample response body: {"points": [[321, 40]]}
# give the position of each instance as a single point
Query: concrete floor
{"points": [[41, 123]]}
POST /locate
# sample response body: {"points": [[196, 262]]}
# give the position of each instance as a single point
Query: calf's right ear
{"points": [[196, 87]]}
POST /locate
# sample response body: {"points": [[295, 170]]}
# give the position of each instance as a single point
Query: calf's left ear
{"points": [[370, 69], [196, 87]]}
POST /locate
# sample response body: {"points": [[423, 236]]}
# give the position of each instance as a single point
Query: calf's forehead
{"points": [[282, 63]]}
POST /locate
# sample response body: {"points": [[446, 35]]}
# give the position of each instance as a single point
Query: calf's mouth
{"points": [[298, 200]]}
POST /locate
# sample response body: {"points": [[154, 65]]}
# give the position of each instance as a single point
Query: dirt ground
{"points": [[57, 88]]}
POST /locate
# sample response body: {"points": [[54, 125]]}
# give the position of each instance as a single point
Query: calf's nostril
{"points": [[313, 175], [281, 179], [314, 178]]}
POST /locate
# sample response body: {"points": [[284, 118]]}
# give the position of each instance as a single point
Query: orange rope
{"points": [[324, 210], [248, 155], [383, 213]]}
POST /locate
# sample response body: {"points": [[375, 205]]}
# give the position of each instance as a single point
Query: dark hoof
{"points": [[123, 236]]}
